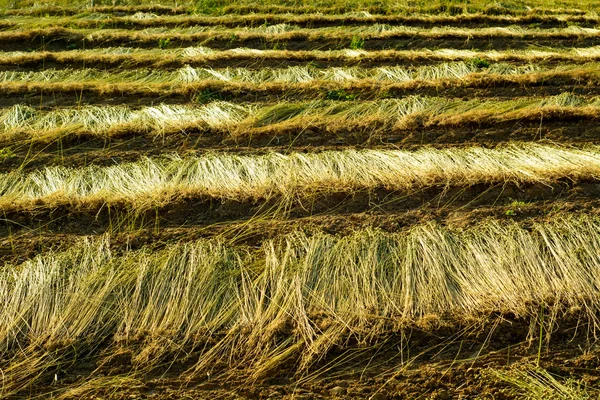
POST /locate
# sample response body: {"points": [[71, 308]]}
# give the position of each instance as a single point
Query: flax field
{"points": [[314, 199]]}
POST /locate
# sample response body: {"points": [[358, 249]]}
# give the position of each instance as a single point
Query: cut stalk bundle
{"points": [[294, 298], [239, 121], [283, 32], [180, 57], [266, 75], [154, 181]]}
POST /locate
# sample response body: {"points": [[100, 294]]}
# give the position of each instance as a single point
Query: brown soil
{"points": [[69, 59], [381, 9], [61, 11], [477, 86], [27, 234], [252, 221], [324, 21]]}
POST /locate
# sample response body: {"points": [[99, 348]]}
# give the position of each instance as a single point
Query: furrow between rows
{"points": [[251, 222], [290, 38], [145, 20], [229, 7]]}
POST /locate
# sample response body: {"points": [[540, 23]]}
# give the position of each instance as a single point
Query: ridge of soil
{"points": [[58, 94], [323, 21], [390, 210], [122, 62], [22, 242]]}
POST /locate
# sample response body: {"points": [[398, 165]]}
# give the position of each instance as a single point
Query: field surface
{"points": [[300, 200]]}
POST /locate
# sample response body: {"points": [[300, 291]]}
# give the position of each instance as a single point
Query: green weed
{"points": [[339, 94], [357, 42], [479, 63], [206, 96], [164, 43], [6, 152]]}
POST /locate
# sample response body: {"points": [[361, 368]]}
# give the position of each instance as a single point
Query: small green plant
{"points": [[314, 64], [6, 152], [209, 6], [515, 207], [518, 204], [339, 94], [206, 96], [480, 63], [71, 46], [278, 46], [164, 43], [357, 42], [385, 94]]}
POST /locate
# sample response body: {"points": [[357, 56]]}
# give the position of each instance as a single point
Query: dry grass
{"points": [[538, 384], [105, 121], [416, 6], [293, 299], [151, 182], [299, 74], [103, 316], [242, 121], [284, 32], [126, 57], [287, 303], [307, 82]]}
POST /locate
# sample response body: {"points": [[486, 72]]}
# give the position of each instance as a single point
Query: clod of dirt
{"points": [[378, 396], [443, 395], [338, 391]]}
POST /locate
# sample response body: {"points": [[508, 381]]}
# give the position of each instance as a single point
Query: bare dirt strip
{"points": [[481, 86], [319, 21], [338, 212]]}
